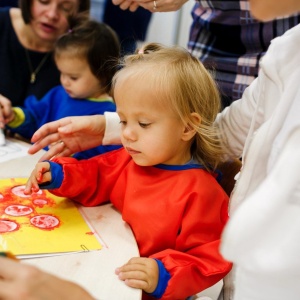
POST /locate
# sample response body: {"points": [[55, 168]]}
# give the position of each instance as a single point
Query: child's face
{"points": [[150, 131], [77, 78]]}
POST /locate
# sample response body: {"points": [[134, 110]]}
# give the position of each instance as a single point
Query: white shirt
{"points": [[262, 237]]}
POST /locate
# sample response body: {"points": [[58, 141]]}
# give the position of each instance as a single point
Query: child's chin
{"points": [[141, 163]]}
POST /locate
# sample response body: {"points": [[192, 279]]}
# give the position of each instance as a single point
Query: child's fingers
{"points": [[39, 175], [140, 272], [2, 117], [6, 113], [31, 185], [46, 177], [135, 278], [137, 284]]}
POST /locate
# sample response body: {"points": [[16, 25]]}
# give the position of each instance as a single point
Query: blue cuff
{"points": [[163, 279], [57, 177]]}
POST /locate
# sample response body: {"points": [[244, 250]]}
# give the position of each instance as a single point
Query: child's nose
{"points": [[129, 134]]}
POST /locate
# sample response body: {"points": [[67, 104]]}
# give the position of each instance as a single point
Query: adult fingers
{"points": [[43, 142], [162, 5], [57, 150], [50, 128], [133, 6], [123, 4]]}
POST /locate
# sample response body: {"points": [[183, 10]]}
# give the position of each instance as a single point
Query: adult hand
{"points": [[68, 135], [140, 273], [126, 4], [21, 281], [159, 6]]}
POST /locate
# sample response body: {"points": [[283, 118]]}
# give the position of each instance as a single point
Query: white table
{"points": [[92, 270]]}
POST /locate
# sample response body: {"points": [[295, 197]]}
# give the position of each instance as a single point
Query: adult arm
{"points": [[75, 134], [22, 281], [236, 121]]}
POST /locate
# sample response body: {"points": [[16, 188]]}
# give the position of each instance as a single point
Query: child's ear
{"points": [[189, 130]]}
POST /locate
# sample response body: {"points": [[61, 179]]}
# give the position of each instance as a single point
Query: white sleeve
{"points": [[264, 232], [235, 121], [112, 134]]}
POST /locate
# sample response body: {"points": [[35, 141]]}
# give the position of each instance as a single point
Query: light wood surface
{"points": [[95, 271]]}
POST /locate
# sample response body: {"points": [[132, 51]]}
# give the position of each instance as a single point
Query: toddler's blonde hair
{"points": [[181, 79]]}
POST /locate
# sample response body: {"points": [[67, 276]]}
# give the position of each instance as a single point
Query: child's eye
{"points": [[144, 125], [73, 78], [123, 123]]}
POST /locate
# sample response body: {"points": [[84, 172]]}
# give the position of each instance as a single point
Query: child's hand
{"points": [[40, 174], [140, 273], [6, 112]]}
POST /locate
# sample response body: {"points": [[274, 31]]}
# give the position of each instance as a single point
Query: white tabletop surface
{"points": [[95, 271]]}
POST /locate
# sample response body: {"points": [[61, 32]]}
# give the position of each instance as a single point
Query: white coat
{"points": [[262, 237]]}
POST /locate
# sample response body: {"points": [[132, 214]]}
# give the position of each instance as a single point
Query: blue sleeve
{"points": [[163, 279], [39, 112], [57, 177]]}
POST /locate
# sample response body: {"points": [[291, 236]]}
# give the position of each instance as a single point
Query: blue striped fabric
{"points": [[226, 38]]}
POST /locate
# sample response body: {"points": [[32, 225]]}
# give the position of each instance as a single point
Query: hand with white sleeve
{"points": [[68, 135]]}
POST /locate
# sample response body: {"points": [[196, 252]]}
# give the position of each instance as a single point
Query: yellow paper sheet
{"points": [[40, 223]]}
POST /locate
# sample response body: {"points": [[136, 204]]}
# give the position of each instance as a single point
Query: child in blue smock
{"points": [[86, 57]]}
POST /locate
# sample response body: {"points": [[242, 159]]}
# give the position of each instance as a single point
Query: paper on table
{"points": [[12, 150], [41, 224]]}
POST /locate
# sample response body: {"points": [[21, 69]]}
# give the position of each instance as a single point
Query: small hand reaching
{"points": [[140, 273], [40, 174]]}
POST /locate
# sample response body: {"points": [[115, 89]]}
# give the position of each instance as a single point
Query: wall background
{"points": [[171, 28]]}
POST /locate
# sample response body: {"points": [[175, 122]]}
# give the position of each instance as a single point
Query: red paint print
{"points": [[8, 226], [18, 210], [19, 191], [45, 222], [39, 202]]}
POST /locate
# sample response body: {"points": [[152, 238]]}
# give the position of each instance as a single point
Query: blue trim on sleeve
{"points": [[57, 177], [163, 279]]}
